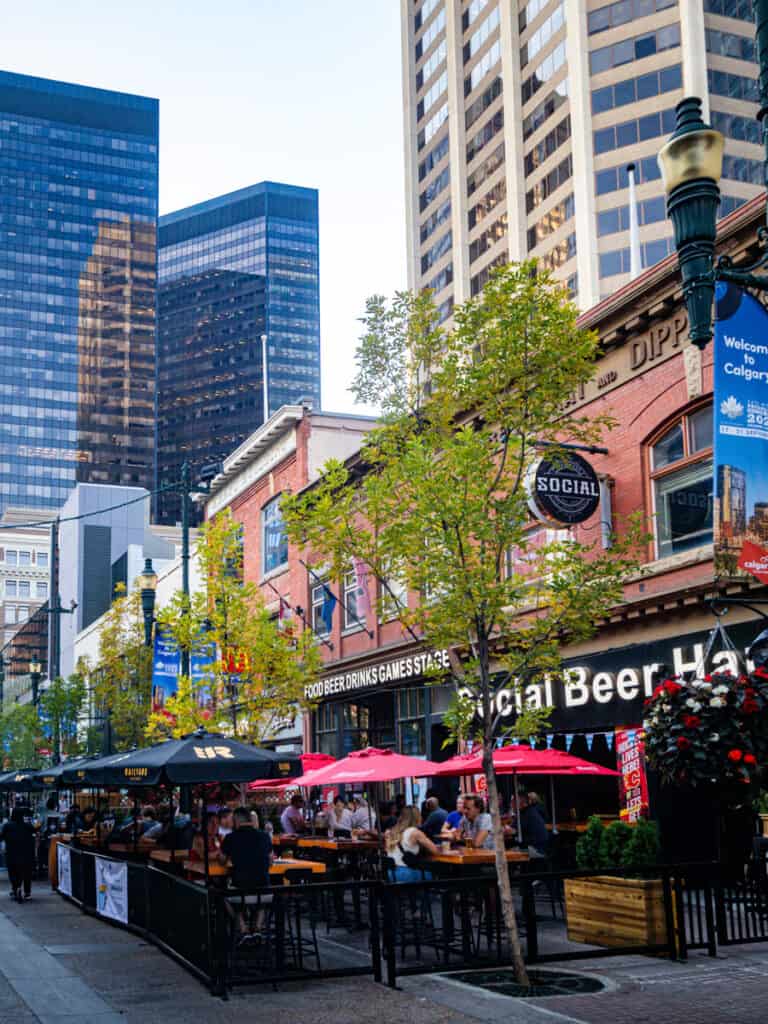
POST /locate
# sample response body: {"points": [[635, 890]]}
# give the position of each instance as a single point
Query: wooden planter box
{"points": [[764, 823], [611, 911]]}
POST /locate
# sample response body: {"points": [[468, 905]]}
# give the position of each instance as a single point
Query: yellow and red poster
{"points": [[633, 785]]}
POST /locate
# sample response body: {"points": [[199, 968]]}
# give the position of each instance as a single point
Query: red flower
{"points": [[691, 721], [750, 759], [750, 707], [761, 672], [749, 693], [735, 755], [707, 679], [683, 743], [672, 688]]}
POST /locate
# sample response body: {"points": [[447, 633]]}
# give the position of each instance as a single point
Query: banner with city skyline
{"points": [[740, 435]]}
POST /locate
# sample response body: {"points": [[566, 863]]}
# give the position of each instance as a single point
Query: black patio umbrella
{"points": [[198, 758], [23, 780], [72, 773], [53, 777]]}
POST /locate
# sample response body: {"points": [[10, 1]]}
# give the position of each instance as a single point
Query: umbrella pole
{"points": [[171, 828], [517, 809], [552, 802], [205, 838], [135, 824]]}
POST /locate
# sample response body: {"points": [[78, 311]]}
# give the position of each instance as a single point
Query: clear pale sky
{"points": [[301, 91]]}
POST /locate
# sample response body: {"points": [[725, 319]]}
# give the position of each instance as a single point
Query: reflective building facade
{"points": [[78, 243], [231, 270]]}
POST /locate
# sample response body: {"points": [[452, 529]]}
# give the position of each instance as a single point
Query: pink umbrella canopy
{"points": [[309, 762], [524, 760], [370, 765]]}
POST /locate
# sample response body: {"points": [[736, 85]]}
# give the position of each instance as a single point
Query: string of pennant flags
{"points": [[608, 736]]}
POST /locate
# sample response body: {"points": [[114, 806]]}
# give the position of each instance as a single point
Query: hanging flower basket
{"points": [[709, 731]]}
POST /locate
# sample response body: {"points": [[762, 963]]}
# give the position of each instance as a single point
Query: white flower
{"points": [[690, 702], [720, 689], [717, 702], [666, 708], [701, 684], [714, 737]]}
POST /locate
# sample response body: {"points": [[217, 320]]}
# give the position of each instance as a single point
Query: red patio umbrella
{"points": [[309, 762], [512, 759], [370, 765]]}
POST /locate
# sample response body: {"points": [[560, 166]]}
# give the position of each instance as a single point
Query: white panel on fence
{"points": [[65, 869], [112, 889]]}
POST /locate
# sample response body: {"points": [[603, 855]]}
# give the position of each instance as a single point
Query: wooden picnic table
{"points": [[164, 856], [277, 868], [470, 858], [339, 845]]}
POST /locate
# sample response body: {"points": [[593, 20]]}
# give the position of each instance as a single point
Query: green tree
{"points": [[121, 679], [21, 737], [442, 505], [255, 685], [61, 705]]}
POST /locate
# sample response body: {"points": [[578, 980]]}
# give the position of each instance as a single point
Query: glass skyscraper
{"points": [[231, 270], [78, 268]]}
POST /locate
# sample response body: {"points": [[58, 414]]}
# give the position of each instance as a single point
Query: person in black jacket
{"points": [[534, 825], [19, 838]]}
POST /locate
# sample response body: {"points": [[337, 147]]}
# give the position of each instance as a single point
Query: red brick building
{"points": [[659, 461]]}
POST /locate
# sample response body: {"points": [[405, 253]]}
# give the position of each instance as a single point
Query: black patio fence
{"points": [[229, 937]]}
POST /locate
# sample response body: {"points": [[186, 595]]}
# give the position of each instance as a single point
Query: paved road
{"points": [[58, 966]]}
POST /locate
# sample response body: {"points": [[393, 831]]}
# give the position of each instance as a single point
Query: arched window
{"points": [[681, 483]]}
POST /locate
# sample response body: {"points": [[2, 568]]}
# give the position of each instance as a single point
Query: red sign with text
{"points": [[630, 758], [754, 559]]}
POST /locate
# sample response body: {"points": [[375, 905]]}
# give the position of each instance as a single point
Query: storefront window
{"points": [[274, 538], [410, 721], [357, 720], [681, 478]]}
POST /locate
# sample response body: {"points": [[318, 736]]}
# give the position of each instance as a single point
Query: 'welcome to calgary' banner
{"points": [[741, 435]]}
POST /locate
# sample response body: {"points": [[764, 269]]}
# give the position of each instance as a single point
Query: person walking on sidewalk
{"points": [[19, 838]]}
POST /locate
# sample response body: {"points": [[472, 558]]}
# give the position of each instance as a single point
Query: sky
{"points": [[306, 92]]}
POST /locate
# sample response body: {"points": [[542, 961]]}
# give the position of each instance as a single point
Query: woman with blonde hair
{"points": [[404, 844]]}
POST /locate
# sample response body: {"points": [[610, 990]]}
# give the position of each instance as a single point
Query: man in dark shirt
{"points": [[534, 825], [249, 850], [19, 838], [435, 818]]}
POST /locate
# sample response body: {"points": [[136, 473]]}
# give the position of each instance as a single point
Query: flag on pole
{"points": [[328, 607], [285, 615], [362, 594]]}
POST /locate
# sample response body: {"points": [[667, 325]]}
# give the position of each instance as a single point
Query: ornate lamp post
{"points": [[691, 165], [147, 582], [35, 675]]}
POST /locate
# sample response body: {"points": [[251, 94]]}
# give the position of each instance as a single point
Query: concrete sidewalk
{"points": [[58, 966]]}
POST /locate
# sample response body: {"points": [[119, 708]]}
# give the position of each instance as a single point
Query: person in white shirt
{"points": [[292, 819], [407, 842], [225, 822], [339, 818], [363, 817]]}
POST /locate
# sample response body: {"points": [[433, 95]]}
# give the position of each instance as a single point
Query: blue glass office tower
{"points": [[230, 270], [78, 268]]}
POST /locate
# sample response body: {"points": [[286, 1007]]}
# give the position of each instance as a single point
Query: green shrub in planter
{"points": [[633, 847]]}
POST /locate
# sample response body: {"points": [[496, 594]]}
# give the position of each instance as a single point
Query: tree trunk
{"points": [[502, 868]]}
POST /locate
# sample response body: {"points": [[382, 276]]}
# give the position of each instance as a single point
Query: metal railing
{"points": [[231, 937]]}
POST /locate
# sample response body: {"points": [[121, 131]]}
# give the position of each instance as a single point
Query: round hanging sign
{"points": [[564, 491]]}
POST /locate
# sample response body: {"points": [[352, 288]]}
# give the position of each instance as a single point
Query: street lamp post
{"points": [[691, 166], [35, 675], [147, 582]]}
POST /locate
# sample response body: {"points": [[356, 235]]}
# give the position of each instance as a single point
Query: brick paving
{"points": [[59, 966]]}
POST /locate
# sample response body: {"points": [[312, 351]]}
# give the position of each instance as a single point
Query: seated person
{"points": [[436, 817], [249, 851], [453, 820], [225, 822], [476, 826], [533, 826], [363, 817], [149, 825], [292, 819], [404, 843], [339, 819], [198, 843]]}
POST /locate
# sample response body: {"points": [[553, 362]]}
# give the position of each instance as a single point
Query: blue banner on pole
{"points": [[166, 668], [740, 435]]}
